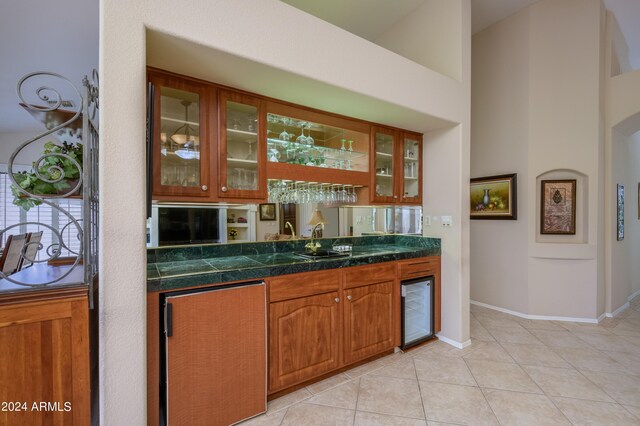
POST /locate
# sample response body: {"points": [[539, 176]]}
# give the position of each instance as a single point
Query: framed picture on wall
{"points": [[620, 212], [268, 211], [494, 197], [558, 207]]}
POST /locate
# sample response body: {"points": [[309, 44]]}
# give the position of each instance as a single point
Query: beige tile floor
{"points": [[516, 372]]}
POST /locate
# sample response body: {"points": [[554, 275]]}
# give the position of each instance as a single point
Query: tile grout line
{"points": [[355, 411], [548, 396], [415, 371], [481, 392]]}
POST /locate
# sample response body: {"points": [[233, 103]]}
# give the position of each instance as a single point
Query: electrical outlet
{"points": [[446, 221], [427, 220]]}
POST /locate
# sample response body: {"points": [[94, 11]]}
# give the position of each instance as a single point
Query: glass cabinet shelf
{"points": [[306, 143], [280, 151]]}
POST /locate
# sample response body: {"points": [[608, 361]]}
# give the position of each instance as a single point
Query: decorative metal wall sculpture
{"points": [[47, 106]]}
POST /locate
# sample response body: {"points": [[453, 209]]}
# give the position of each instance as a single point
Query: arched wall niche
{"points": [[582, 207]]}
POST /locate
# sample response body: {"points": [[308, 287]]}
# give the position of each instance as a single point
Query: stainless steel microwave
{"points": [[182, 224]]}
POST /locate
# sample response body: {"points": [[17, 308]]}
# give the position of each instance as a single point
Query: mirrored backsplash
{"points": [[276, 221]]}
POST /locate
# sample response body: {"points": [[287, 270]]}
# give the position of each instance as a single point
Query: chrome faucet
{"points": [[311, 245], [293, 231]]}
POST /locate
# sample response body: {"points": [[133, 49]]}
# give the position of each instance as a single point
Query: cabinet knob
{"points": [[349, 297], [337, 299], [395, 196], [204, 187], [224, 189]]}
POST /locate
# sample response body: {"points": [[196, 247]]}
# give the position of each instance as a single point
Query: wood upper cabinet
{"points": [[384, 164], [44, 356], [411, 168], [396, 169], [304, 339], [242, 147], [182, 138], [368, 321]]}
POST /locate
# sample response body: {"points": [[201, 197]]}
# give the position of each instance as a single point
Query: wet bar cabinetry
{"points": [[396, 163], [182, 156], [214, 143], [241, 147]]}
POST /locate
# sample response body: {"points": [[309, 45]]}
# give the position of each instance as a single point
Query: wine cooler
{"points": [[417, 311]]}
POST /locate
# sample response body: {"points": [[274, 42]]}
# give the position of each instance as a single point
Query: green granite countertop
{"points": [[176, 268]]}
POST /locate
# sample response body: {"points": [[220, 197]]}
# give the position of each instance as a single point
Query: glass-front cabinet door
{"points": [[241, 147], [181, 143], [383, 187], [412, 168]]}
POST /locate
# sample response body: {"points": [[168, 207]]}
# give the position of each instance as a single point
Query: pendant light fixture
{"points": [[186, 137]]}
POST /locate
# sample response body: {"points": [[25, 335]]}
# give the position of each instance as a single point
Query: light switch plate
{"points": [[427, 220]]}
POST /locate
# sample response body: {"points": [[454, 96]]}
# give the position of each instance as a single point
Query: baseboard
{"points": [[633, 296], [453, 343], [537, 317], [617, 311]]}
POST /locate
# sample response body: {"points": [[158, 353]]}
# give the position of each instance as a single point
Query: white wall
{"points": [[10, 141], [632, 217], [430, 35], [276, 36], [537, 110], [564, 133], [499, 128]]}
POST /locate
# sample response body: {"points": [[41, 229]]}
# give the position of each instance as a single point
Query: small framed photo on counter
{"points": [[558, 207], [268, 211]]}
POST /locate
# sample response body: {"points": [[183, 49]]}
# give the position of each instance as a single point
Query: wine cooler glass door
{"points": [[417, 311]]}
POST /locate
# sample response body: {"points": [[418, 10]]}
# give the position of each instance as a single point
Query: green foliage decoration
{"points": [[61, 171]]}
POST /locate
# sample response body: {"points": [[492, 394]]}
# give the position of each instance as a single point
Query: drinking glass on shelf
{"points": [[302, 139], [250, 155], [310, 140], [284, 136]]}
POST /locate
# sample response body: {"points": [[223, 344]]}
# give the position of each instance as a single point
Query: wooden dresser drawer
{"points": [[304, 284], [369, 274], [420, 267]]}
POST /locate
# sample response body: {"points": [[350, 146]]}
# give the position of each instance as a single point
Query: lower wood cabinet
{"points": [[44, 358], [303, 338], [368, 321]]}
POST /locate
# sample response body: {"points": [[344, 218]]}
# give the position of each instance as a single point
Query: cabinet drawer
{"points": [[305, 284], [369, 274], [419, 267]]}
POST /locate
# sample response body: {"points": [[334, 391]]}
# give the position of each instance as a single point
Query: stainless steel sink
{"points": [[321, 254]]}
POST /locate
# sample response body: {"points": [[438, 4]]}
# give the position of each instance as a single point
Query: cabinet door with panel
{"points": [[44, 356], [304, 339], [368, 321], [182, 138], [241, 147], [384, 150], [411, 172]]}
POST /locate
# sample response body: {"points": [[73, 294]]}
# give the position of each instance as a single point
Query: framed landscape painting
{"points": [[558, 207], [494, 197]]}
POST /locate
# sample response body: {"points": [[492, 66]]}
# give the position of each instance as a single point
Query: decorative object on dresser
{"points": [[494, 197], [620, 216], [558, 206]]}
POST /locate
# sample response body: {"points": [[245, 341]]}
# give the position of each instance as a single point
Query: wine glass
{"points": [[250, 155], [284, 136], [310, 140], [302, 138]]}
